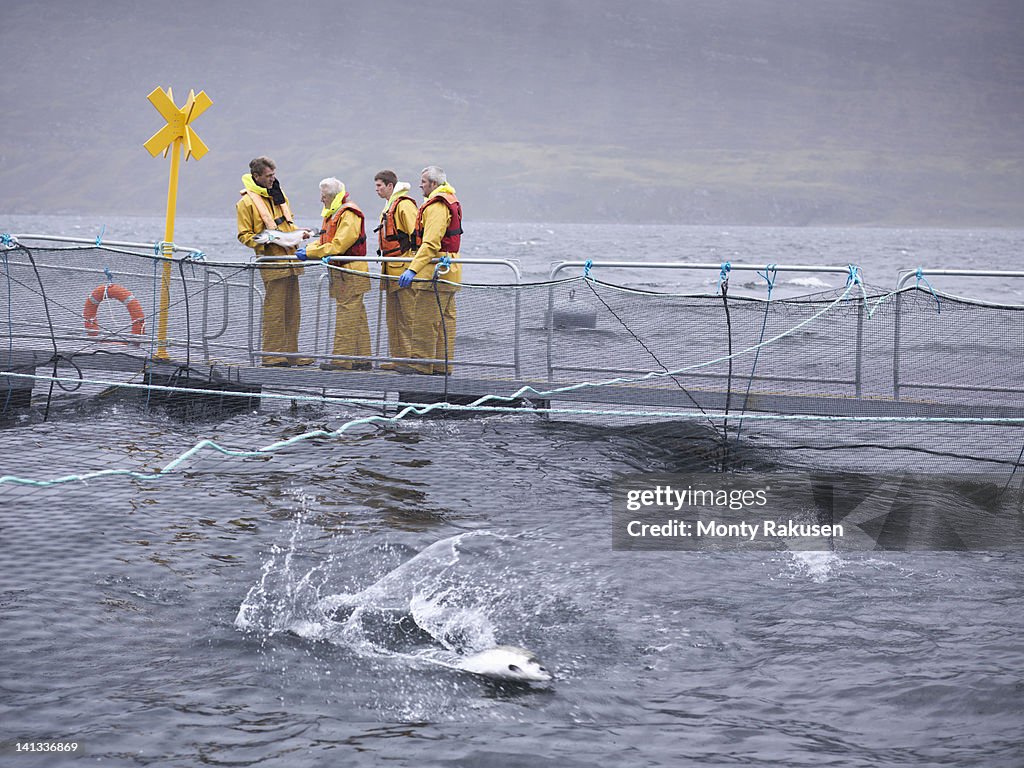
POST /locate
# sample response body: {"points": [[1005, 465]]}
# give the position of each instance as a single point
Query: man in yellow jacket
{"points": [[344, 236], [394, 241], [438, 235], [263, 205]]}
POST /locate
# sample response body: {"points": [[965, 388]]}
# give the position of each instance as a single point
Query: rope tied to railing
{"points": [[163, 248], [195, 256], [443, 266], [587, 266], [854, 278], [920, 277], [723, 277], [7, 241], [99, 237], [769, 275]]}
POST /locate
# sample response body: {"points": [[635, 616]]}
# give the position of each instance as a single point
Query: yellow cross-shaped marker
{"points": [[178, 120], [170, 138]]}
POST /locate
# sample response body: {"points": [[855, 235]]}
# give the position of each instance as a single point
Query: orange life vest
{"points": [[391, 241], [452, 239], [268, 218], [358, 248]]}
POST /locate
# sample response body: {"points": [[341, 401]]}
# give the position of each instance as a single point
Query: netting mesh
{"points": [[912, 359]]}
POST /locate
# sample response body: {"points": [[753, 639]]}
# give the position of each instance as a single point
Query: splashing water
{"points": [[434, 608], [819, 567]]}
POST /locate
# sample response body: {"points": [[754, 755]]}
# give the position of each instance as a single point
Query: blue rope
{"points": [[444, 263], [99, 237], [589, 265], [770, 273], [723, 276], [770, 269], [110, 277], [6, 240], [854, 277], [920, 277]]}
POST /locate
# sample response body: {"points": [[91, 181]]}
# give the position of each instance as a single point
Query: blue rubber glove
{"points": [[301, 254], [406, 279]]}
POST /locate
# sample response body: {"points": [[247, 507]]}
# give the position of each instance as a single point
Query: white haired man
{"points": [[438, 235], [344, 239]]}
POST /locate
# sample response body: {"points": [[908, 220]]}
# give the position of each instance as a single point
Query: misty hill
{"points": [[749, 111]]}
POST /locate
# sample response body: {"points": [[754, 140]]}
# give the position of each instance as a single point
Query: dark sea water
{"points": [[288, 610]]}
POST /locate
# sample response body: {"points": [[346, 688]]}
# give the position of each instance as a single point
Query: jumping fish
{"points": [[286, 239], [506, 662]]}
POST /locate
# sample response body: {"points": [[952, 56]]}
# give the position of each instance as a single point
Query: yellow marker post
{"points": [[170, 138]]}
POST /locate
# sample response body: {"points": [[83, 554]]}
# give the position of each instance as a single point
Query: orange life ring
{"points": [[122, 294]]}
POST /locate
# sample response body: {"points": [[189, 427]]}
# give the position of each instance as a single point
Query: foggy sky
{"points": [[689, 111]]}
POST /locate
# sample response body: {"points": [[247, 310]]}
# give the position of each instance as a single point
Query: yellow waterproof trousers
{"points": [[433, 331], [351, 332], [399, 307], [282, 314]]}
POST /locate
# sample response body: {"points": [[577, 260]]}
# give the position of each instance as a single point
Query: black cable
{"points": [[188, 317], [728, 383], [49, 323], [590, 284], [1016, 466], [907, 448], [728, 326], [753, 367]]}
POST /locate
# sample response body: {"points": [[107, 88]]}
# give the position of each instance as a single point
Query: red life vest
{"points": [[391, 241], [452, 239], [358, 248]]}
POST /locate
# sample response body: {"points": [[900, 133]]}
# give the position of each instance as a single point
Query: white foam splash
{"points": [[820, 567]]}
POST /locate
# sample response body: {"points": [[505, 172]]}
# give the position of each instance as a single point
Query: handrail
{"points": [[905, 276], [153, 248], [558, 266], [248, 289], [512, 265], [508, 263], [207, 338]]}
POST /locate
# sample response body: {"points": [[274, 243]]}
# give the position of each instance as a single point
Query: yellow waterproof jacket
{"points": [[251, 223], [343, 284], [436, 219], [405, 220]]}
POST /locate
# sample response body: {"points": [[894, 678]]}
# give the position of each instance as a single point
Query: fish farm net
{"points": [[856, 377]]}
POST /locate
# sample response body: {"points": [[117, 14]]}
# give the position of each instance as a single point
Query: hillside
{"points": [[760, 111]]}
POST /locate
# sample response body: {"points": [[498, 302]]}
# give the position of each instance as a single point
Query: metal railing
{"points": [[210, 278], [515, 365], [561, 266], [902, 286], [216, 277], [153, 249]]}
